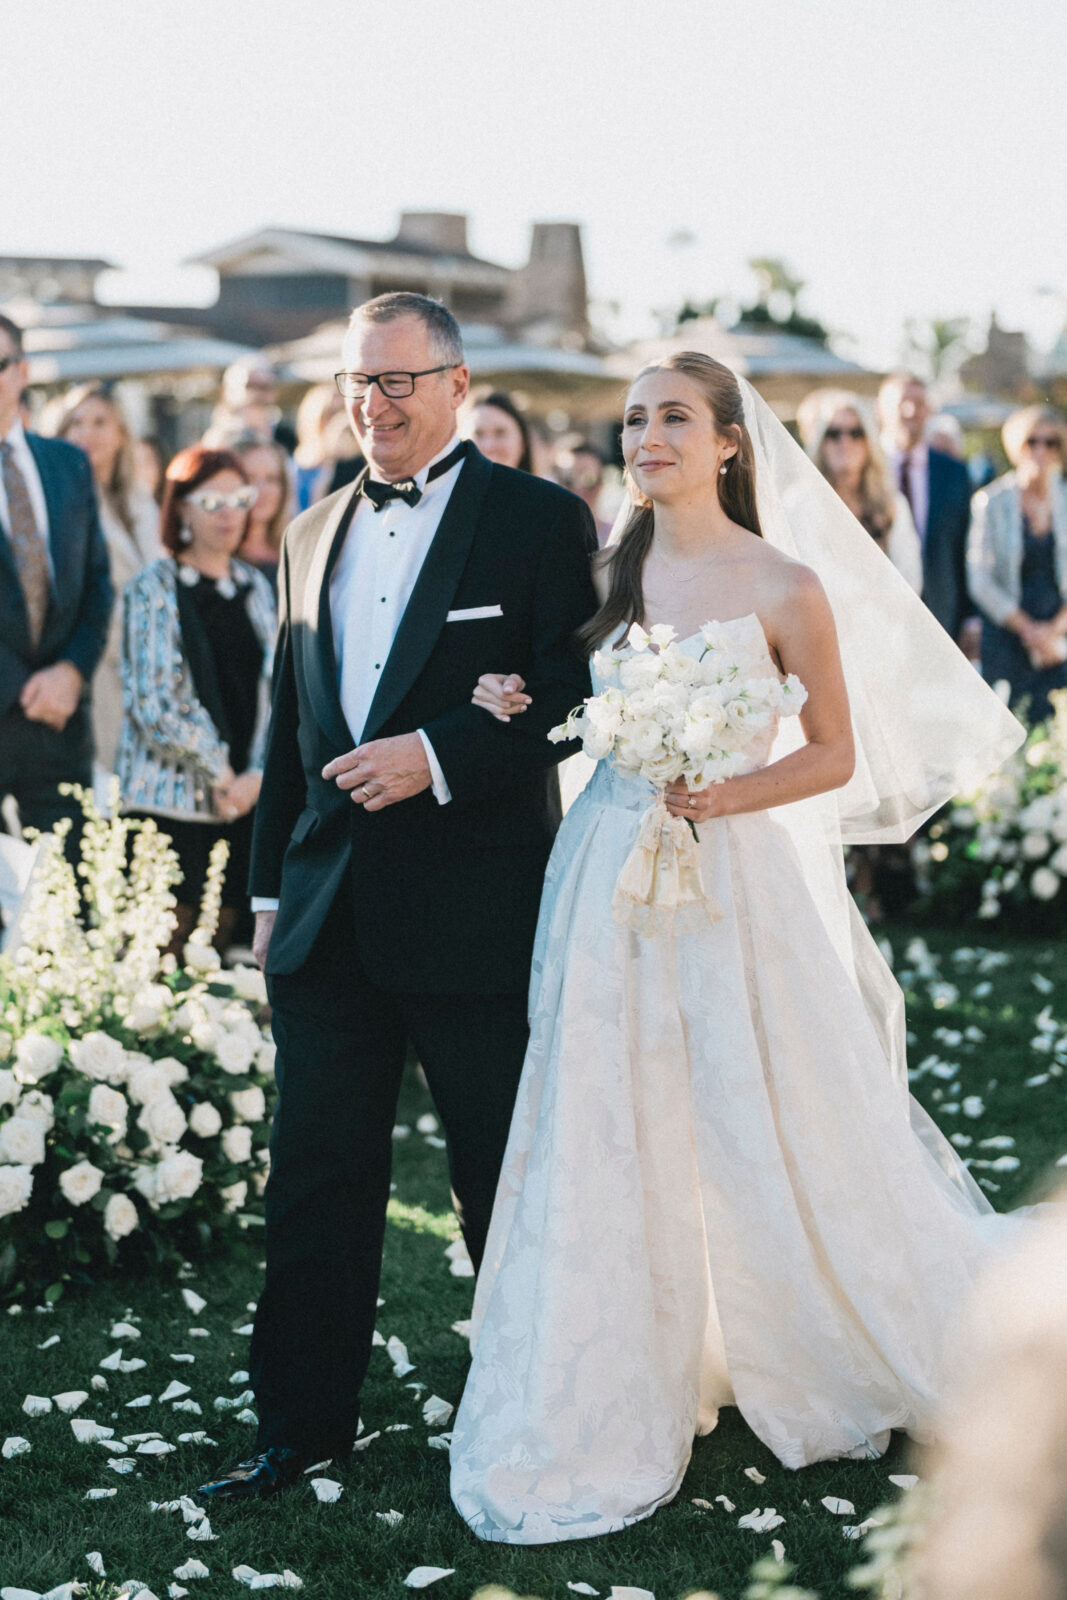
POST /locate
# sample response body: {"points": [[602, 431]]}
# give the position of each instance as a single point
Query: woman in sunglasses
{"points": [[1017, 563], [198, 645], [845, 448]]}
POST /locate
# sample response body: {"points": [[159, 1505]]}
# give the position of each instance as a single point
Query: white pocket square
{"points": [[472, 613]]}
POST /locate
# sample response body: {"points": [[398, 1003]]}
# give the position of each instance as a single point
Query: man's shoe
{"points": [[259, 1476]]}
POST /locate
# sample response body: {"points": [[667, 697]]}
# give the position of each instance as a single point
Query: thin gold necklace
{"points": [[676, 572]]}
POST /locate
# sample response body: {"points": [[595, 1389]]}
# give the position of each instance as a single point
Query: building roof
{"points": [[338, 253], [753, 352], [66, 344]]}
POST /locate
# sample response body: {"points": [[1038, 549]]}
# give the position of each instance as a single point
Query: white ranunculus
{"points": [[639, 672], [596, 742], [16, 1184], [6, 1044], [148, 1008], [80, 1182], [9, 1087], [178, 1177], [36, 1106], [204, 1120], [237, 1143], [697, 738], [22, 1142], [1044, 885], [36, 1055], [234, 1195], [1034, 845], [163, 1120], [250, 1105], [120, 1216], [108, 1108], [149, 1083], [99, 1056], [250, 984], [645, 738], [198, 957], [235, 1052], [663, 769], [744, 716]]}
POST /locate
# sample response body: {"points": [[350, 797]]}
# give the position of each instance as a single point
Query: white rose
{"points": [[149, 1083], [204, 1035], [36, 1055], [645, 740], [234, 1195], [235, 1053], [697, 738], [108, 1108], [639, 672], [98, 1055], [148, 1008], [9, 1087], [744, 716], [1058, 827], [6, 1043], [175, 1070], [962, 817], [1044, 885], [596, 742], [186, 1017], [237, 1143], [144, 1182], [36, 1106], [80, 1182], [663, 769], [178, 1177], [120, 1216], [266, 1051], [163, 1119], [22, 1142], [250, 1105], [1034, 845], [204, 1120], [250, 984], [1059, 860], [16, 1183], [199, 957]]}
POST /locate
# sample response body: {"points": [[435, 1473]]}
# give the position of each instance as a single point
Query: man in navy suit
{"points": [[55, 600], [938, 489]]}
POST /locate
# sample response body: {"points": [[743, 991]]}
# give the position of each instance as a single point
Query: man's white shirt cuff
{"points": [[263, 902], [442, 793]]}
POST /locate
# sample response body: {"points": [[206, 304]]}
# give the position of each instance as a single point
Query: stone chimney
{"points": [[435, 230], [548, 296]]}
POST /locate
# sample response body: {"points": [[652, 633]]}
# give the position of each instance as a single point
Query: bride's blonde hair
{"points": [[737, 494]]}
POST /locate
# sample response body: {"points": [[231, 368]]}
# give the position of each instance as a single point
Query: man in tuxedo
{"points": [[400, 846], [55, 601], [938, 489]]}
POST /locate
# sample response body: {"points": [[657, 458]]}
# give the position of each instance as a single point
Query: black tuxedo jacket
{"points": [[75, 627], [945, 547], [446, 897]]}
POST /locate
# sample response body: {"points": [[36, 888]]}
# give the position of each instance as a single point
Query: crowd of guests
{"points": [[138, 603]]}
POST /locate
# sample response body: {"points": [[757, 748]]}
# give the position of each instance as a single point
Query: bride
{"points": [[717, 1190]]}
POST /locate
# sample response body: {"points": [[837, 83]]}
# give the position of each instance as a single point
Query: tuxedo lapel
{"points": [[425, 613], [320, 659]]}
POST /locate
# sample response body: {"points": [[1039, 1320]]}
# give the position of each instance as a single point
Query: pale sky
{"points": [[904, 158]]}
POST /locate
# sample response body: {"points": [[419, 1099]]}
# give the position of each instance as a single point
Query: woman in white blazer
{"points": [[1017, 563]]}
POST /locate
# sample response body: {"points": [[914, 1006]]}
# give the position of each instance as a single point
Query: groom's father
{"points": [[401, 840]]}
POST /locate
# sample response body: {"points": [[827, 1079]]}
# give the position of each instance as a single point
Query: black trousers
{"points": [[35, 759], [341, 1050]]}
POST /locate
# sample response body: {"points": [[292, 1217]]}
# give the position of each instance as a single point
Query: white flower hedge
{"points": [[135, 1094], [1002, 851]]}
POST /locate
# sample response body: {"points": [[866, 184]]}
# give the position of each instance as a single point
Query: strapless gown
{"points": [[713, 1194]]}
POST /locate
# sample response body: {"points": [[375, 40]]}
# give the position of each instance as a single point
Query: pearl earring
{"points": [[722, 470], [185, 534]]}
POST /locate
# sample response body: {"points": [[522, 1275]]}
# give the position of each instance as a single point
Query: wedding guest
{"points": [[267, 466], [580, 468], [944, 433], [938, 491], [324, 441], [841, 440], [90, 417], [55, 601], [249, 404], [150, 466], [1017, 562], [198, 644], [500, 430]]}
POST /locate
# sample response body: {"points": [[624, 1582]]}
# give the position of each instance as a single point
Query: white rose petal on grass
{"points": [[100, 1494], [435, 1411], [97, 1382], [122, 1464], [37, 1405], [397, 1352], [240, 1376], [96, 1563], [88, 1432], [727, 1505], [778, 1549], [904, 1480], [392, 1519], [174, 1391], [422, 1577], [840, 1508], [427, 1123], [973, 1106], [193, 1301], [756, 1477], [623, 1591], [245, 1329], [191, 1406], [247, 1415], [14, 1446], [48, 1343], [140, 1403], [582, 1588], [326, 1490], [192, 1569], [183, 1355], [761, 1521], [368, 1438], [199, 1437], [201, 1531], [70, 1400], [462, 1328], [175, 1591], [440, 1441], [124, 1330], [155, 1447]]}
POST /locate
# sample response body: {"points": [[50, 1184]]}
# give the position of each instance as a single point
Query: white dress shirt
{"points": [[918, 483], [370, 587], [23, 455]]}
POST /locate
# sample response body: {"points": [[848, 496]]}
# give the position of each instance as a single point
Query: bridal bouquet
{"points": [[664, 715]]}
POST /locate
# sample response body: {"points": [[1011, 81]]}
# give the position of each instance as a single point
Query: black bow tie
{"points": [[406, 489]]}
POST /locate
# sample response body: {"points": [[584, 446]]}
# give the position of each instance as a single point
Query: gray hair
{"points": [[446, 341]]}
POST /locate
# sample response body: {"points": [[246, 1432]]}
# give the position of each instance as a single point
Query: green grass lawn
{"points": [[343, 1549]]}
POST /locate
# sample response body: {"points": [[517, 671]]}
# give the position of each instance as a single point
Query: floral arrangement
{"points": [[1001, 852], [664, 714], [134, 1092]]}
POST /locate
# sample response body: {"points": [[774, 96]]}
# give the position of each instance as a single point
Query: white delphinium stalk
{"points": [[199, 954]]}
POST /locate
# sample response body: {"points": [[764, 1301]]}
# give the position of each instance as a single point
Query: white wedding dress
{"points": [[716, 1192]]}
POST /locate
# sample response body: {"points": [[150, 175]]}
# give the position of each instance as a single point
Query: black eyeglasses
{"points": [[9, 361], [1045, 441], [394, 385], [844, 433]]}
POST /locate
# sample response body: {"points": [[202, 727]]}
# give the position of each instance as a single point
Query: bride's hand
{"points": [[501, 695], [700, 805]]}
